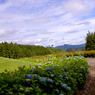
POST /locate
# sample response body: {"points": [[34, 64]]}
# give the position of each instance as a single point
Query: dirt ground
{"points": [[89, 87]]}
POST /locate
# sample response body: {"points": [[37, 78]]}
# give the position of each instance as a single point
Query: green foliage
{"points": [[90, 41], [58, 76], [15, 51]]}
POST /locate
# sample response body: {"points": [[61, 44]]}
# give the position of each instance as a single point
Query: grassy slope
{"points": [[12, 64]]}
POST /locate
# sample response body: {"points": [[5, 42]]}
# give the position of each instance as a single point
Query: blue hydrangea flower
{"points": [[64, 85], [42, 79], [68, 88], [52, 75], [65, 74], [65, 67], [48, 69], [66, 78], [29, 76], [87, 71], [50, 80], [54, 66], [61, 76]]}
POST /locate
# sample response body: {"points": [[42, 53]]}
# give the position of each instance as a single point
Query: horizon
{"points": [[46, 22]]}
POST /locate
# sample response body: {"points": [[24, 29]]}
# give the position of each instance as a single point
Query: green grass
{"points": [[12, 64]]}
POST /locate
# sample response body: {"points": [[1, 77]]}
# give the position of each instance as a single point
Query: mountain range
{"points": [[68, 46]]}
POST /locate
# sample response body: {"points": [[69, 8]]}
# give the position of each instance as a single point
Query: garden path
{"points": [[89, 87]]}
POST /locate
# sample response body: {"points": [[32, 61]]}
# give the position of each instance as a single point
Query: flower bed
{"points": [[58, 76]]}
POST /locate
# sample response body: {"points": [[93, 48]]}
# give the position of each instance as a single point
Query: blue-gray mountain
{"points": [[67, 47]]}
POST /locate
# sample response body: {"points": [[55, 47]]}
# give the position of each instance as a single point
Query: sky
{"points": [[46, 22]]}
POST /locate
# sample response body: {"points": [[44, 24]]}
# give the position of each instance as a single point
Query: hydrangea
{"points": [[64, 85], [62, 60], [52, 75], [65, 74], [68, 88], [48, 62], [40, 64], [61, 76], [29, 76], [66, 78], [50, 80], [87, 71], [57, 90], [54, 66], [42, 79], [65, 67], [48, 69]]}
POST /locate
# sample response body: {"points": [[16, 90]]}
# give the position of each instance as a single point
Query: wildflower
{"points": [[61, 76], [48, 69], [52, 75], [68, 72], [50, 80], [65, 67], [29, 76], [87, 71], [42, 79], [68, 88]]}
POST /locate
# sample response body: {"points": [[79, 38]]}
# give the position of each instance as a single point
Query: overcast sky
{"points": [[46, 22]]}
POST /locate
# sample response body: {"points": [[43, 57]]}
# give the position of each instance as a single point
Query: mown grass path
{"points": [[89, 87]]}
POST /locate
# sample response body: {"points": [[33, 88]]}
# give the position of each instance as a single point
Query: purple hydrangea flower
{"points": [[48, 69], [61, 76], [29, 76], [54, 66], [65, 67]]}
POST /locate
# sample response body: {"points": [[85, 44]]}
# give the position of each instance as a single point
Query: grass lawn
{"points": [[12, 64]]}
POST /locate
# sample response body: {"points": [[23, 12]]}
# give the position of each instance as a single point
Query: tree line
{"points": [[90, 41], [11, 50]]}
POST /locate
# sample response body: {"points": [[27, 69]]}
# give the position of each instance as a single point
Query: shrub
{"points": [[61, 76]]}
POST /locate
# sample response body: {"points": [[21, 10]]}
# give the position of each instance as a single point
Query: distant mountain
{"points": [[67, 47]]}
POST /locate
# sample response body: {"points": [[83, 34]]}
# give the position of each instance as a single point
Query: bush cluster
{"points": [[58, 76]]}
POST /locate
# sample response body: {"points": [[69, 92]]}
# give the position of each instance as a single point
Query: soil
{"points": [[89, 87]]}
